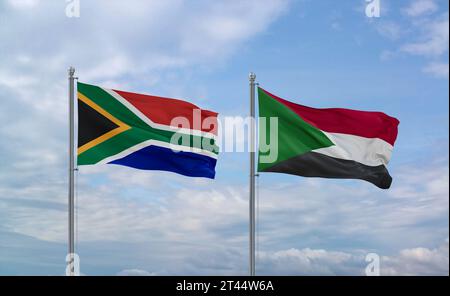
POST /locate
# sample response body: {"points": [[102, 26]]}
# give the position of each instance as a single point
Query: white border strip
{"points": [[154, 124], [175, 148]]}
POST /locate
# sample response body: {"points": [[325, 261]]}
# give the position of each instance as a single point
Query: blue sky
{"points": [[317, 53]]}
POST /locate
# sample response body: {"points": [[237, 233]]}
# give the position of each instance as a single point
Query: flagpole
{"points": [[252, 78], [71, 171]]}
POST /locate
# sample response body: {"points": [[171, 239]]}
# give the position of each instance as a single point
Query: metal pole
{"points": [[71, 171], [252, 78]]}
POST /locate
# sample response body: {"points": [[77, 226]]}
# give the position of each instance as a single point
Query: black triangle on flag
{"points": [[91, 124]]}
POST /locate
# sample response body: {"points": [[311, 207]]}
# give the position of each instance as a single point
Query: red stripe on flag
{"points": [[345, 121], [163, 110]]}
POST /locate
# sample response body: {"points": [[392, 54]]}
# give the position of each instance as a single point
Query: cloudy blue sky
{"points": [[319, 53]]}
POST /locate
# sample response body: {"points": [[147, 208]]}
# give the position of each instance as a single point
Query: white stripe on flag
{"points": [[142, 145], [368, 151], [157, 125]]}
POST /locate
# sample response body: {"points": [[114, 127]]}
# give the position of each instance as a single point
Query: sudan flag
{"points": [[328, 143], [145, 132]]}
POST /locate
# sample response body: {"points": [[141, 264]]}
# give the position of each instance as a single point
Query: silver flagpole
{"points": [[252, 78], [71, 171]]}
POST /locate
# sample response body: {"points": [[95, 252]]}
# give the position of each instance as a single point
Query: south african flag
{"points": [[145, 132]]}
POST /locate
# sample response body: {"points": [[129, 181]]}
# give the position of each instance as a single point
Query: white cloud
{"points": [[389, 30], [178, 224], [308, 262], [211, 219], [421, 7], [429, 36], [153, 39], [23, 4], [437, 69], [416, 261], [434, 41], [387, 55]]}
